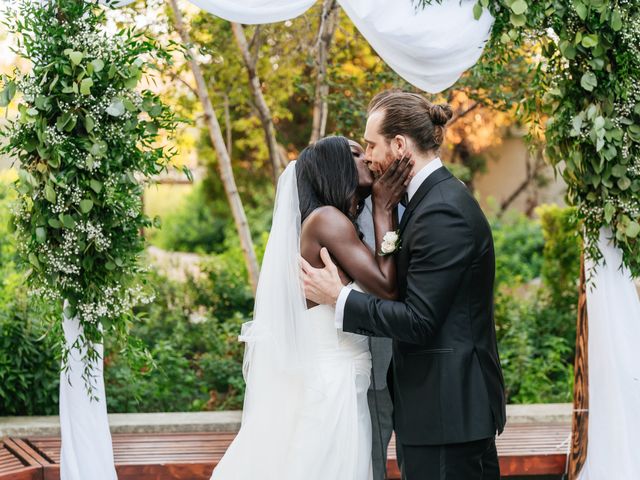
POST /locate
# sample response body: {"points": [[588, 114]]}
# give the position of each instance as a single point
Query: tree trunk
{"points": [[277, 161], [328, 23], [530, 178], [580, 424], [224, 161], [227, 124]]}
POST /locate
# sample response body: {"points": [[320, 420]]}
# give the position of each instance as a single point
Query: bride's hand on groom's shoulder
{"points": [[388, 189]]}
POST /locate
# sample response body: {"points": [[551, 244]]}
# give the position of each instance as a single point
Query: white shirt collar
{"points": [[422, 175]]}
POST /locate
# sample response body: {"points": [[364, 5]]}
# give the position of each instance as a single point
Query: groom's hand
{"points": [[321, 285]]}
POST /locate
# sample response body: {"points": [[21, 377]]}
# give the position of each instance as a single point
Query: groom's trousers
{"points": [[461, 461], [381, 410]]}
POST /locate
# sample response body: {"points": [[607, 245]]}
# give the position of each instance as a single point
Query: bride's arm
{"points": [[334, 231]]}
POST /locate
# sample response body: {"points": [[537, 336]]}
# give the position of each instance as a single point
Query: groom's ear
{"points": [[399, 145]]}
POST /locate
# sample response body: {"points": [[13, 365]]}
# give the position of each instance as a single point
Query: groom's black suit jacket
{"points": [[446, 376]]}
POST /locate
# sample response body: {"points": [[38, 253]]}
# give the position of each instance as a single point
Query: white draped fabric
{"points": [[614, 370], [430, 47], [86, 451]]}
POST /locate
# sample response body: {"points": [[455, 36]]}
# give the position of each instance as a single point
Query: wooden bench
{"points": [[524, 449]]}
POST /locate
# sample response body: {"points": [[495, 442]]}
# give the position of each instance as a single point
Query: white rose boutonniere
{"points": [[390, 243]]}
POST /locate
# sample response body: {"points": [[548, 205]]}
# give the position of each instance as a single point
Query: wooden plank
{"points": [[525, 449], [16, 464]]}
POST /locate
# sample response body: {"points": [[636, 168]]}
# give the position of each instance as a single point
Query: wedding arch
{"points": [[588, 73]]}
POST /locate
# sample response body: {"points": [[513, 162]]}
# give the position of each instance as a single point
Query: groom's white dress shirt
{"points": [[415, 183]]}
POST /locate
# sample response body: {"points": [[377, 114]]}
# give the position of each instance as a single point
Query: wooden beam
{"points": [[580, 424]]}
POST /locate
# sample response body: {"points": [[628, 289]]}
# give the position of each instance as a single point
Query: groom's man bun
{"points": [[411, 114]]}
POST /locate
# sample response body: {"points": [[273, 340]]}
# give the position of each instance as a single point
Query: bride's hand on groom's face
{"points": [[321, 285], [389, 188]]}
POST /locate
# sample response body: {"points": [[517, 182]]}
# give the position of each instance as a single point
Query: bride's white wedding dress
{"points": [[328, 435], [305, 414]]}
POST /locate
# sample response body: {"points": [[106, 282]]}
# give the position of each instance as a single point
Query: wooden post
{"points": [[580, 424]]}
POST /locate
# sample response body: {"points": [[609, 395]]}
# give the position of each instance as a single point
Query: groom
{"points": [[448, 389]]}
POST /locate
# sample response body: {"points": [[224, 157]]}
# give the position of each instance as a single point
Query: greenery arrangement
{"points": [[587, 81], [85, 140]]}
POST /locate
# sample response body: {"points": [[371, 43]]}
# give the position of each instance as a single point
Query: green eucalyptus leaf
{"points": [[590, 41], [634, 132], [96, 186], [63, 120], [75, 57], [50, 193], [33, 260], [581, 9], [131, 82], [624, 183], [7, 94], [98, 149], [619, 170], [151, 128], [477, 11], [633, 229], [155, 111], [86, 205], [589, 81], [518, 20], [85, 86], [97, 65], [54, 161], [519, 7], [68, 222], [116, 108], [41, 235], [567, 49], [89, 123], [609, 211], [54, 223], [616, 20]]}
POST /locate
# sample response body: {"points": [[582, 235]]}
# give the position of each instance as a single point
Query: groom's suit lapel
{"points": [[431, 181]]}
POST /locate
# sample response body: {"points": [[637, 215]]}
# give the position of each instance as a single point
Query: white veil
{"points": [[279, 374], [278, 319]]}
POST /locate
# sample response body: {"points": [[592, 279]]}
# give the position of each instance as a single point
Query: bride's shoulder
{"points": [[328, 219]]}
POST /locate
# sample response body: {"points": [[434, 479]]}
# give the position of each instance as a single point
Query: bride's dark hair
{"points": [[327, 175]]}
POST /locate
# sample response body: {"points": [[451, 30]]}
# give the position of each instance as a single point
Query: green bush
{"points": [[197, 355], [535, 324], [195, 227], [519, 247], [29, 360]]}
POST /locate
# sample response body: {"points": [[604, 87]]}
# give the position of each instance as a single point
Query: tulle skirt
{"points": [[321, 431]]}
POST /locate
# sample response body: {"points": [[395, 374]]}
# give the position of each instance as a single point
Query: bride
{"points": [[305, 414]]}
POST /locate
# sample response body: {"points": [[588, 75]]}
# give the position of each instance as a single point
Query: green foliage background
{"points": [[191, 328]]}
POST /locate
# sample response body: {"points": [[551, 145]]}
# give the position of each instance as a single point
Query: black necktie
{"points": [[405, 199]]}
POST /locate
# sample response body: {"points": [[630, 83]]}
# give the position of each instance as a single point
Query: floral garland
{"points": [[84, 137], [588, 76]]}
